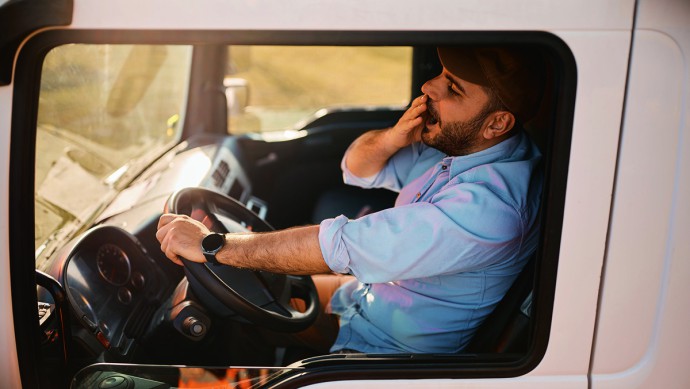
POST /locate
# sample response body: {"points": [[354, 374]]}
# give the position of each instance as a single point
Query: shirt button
{"points": [[419, 195], [444, 167]]}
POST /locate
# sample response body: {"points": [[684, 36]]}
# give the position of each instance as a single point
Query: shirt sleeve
{"points": [[394, 174], [466, 229]]}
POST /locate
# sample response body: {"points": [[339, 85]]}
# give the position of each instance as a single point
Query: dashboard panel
{"points": [[205, 161], [113, 286], [116, 278]]}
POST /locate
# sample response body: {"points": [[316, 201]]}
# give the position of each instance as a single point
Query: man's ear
{"points": [[499, 124]]}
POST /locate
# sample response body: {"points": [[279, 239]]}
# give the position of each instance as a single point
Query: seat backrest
{"points": [[506, 329]]}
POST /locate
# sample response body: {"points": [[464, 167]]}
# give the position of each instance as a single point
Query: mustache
{"points": [[432, 112]]}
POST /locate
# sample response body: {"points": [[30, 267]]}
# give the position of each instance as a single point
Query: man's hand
{"points": [[181, 236], [292, 251], [370, 152], [409, 127]]}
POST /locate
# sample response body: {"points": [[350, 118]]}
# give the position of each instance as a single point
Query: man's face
{"points": [[456, 112]]}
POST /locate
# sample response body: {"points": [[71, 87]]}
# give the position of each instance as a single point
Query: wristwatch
{"points": [[211, 245]]}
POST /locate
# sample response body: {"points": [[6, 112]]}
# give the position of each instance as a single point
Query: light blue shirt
{"points": [[431, 268]]}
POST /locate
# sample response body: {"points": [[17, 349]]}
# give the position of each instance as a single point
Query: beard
{"points": [[455, 138]]}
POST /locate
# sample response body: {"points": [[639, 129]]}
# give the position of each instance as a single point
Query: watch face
{"points": [[213, 242]]}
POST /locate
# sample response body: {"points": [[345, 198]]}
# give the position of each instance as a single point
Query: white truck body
{"points": [[620, 312]]}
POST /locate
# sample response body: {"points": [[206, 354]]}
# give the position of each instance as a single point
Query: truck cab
{"points": [[240, 112]]}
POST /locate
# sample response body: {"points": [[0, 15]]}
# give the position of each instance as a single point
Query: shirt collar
{"points": [[461, 164]]}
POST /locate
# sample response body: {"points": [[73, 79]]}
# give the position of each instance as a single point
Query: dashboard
{"points": [[113, 286], [117, 281]]}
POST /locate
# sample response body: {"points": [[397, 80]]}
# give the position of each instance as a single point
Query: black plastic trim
{"points": [[22, 152], [19, 19]]}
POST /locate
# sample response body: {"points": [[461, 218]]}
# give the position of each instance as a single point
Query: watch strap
{"points": [[211, 258], [211, 245]]}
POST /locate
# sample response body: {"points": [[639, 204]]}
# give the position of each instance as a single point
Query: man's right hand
{"points": [[409, 127], [370, 152]]}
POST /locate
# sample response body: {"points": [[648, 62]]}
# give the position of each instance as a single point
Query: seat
{"points": [[506, 329], [352, 202]]}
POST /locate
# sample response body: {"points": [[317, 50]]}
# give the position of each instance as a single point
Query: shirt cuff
{"points": [[351, 179], [332, 248]]}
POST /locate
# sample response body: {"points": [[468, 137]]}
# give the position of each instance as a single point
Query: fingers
{"points": [[417, 108], [166, 218], [180, 236], [166, 249], [413, 116], [409, 127], [419, 104], [411, 123], [419, 100]]}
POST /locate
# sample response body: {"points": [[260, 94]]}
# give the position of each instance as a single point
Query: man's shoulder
{"points": [[510, 153], [512, 175]]}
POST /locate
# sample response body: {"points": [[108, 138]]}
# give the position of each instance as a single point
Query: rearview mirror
{"points": [[236, 95]]}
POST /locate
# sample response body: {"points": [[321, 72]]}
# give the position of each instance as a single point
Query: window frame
{"points": [[556, 159]]}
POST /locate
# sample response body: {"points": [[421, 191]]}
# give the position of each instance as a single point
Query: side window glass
{"points": [[105, 112], [271, 88]]}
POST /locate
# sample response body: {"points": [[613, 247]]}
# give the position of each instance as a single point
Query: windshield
{"points": [[105, 113]]}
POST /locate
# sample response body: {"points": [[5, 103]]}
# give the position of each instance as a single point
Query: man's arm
{"points": [[295, 250], [370, 152], [291, 251]]}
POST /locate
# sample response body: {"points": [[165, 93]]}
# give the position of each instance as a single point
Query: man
{"points": [[430, 269]]}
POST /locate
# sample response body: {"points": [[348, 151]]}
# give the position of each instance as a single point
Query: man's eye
{"points": [[452, 90]]}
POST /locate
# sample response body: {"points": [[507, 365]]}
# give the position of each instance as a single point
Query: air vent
{"points": [[220, 174]]}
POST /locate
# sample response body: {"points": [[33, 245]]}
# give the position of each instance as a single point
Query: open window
{"points": [[281, 88], [241, 114]]}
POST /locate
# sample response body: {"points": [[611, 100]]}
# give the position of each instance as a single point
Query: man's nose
{"points": [[430, 89]]}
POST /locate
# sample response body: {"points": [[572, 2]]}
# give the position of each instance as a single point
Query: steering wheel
{"points": [[262, 298]]}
